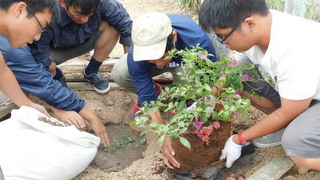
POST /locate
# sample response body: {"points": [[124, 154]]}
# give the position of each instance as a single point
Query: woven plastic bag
{"points": [[33, 149]]}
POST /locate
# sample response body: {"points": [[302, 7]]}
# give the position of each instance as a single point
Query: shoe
{"points": [[100, 84], [270, 140], [60, 77]]}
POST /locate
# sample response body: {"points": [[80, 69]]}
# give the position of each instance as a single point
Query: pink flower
{"points": [[202, 131], [197, 124], [186, 132], [207, 131], [197, 133], [231, 63], [203, 56], [205, 138], [245, 77], [238, 91], [216, 125]]}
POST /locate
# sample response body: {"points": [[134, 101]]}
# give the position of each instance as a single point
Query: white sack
{"points": [[33, 149]]}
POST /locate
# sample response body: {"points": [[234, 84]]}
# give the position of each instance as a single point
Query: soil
{"points": [[201, 153], [145, 161]]}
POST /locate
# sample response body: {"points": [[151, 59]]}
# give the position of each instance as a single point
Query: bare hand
{"points": [[168, 152], [40, 109], [100, 130], [71, 118]]}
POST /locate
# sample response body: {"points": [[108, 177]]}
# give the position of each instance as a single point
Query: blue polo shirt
{"points": [[35, 79], [189, 35]]}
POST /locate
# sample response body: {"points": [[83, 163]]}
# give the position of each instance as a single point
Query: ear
{"points": [[20, 9], [175, 36], [250, 22]]}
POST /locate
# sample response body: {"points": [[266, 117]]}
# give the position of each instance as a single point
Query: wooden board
{"points": [[273, 170]]}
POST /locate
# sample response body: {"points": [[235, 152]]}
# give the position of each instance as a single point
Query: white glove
{"points": [[231, 151]]}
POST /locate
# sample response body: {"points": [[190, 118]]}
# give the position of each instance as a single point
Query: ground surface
{"points": [[113, 109]]}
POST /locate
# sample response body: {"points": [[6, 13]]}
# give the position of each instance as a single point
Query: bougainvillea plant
{"points": [[206, 86]]}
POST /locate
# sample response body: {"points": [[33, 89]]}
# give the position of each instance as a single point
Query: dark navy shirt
{"points": [[189, 34], [35, 79], [65, 33]]}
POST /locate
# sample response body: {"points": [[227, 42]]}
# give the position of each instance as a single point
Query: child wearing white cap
{"points": [[153, 35]]}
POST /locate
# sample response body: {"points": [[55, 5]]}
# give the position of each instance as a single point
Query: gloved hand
{"points": [[231, 151]]}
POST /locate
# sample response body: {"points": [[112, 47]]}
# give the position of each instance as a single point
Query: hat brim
{"points": [[150, 52]]}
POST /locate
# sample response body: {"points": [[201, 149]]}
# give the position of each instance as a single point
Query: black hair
{"points": [[170, 44], [35, 5], [228, 13], [87, 7]]}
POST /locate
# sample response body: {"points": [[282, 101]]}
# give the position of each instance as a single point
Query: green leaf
{"points": [[154, 124], [207, 87], [185, 142], [143, 132], [132, 124], [160, 140]]}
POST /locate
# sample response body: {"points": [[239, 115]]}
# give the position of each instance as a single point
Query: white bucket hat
{"points": [[149, 35]]}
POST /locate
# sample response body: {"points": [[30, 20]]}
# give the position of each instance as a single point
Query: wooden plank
{"points": [[273, 170], [73, 69], [317, 177]]}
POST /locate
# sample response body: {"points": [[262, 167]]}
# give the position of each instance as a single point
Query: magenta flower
{"points": [[203, 56], [197, 124], [231, 64], [186, 133], [245, 77], [238, 91]]}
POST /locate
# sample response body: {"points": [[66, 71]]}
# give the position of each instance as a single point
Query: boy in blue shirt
{"points": [[153, 35], [84, 25]]}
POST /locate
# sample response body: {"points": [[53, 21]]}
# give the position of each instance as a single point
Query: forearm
{"points": [[96, 124], [88, 115], [155, 117], [270, 124], [278, 119]]}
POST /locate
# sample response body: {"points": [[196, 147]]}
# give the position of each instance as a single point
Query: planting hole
{"points": [[126, 147]]}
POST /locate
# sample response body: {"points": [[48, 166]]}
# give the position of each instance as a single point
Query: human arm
{"points": [[140, 73], [275, 121], [167, 148], [35, 79], [10, 87], [96, 125]]}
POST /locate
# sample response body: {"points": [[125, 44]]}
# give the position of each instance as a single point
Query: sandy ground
{"points": [[114, 106]]}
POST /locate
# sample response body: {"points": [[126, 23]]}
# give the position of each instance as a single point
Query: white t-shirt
{"points": [[292, 59]]}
